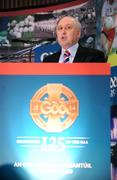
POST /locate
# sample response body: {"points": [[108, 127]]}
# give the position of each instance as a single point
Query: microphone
{"points": [[16, 40], [20, 40], [49, 39]]}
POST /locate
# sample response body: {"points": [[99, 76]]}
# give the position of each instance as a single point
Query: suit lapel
{"points": [[55, 57], [80, 55]]}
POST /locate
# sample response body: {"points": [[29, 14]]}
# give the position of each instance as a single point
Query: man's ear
{"points": [[79, 34]]}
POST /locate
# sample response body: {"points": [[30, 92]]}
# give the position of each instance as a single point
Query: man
{"points": [[68, 32]]}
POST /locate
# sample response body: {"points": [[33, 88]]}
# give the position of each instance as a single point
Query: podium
{"points": [[55, 120]]}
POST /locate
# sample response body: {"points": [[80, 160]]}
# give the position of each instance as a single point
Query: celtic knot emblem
{"points": [[54, 107]]}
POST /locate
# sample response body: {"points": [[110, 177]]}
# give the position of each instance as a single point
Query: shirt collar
{"points": [[72, 49]]}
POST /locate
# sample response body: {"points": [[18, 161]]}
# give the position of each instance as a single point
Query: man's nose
{"points": [[64, 30]]}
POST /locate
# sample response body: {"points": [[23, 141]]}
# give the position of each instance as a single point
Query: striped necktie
{"points": [[66, 56]]}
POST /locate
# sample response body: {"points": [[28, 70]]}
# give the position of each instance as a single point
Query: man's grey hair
{"points": [[76, 22]]}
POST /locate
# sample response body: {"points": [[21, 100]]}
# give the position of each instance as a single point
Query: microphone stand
{"points": [[30, 52]]}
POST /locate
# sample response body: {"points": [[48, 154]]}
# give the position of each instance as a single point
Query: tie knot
{"points": [[66, 54]]}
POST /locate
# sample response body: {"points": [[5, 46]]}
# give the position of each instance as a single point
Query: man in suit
{"points": [[68, 31]]}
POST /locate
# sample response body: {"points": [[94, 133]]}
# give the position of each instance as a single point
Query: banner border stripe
{"points": [[54, 69]]}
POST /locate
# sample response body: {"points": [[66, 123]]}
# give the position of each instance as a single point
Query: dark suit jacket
{"points": [[83, 54]]}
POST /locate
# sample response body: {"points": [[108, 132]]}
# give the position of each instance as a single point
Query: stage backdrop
{"points": [[55, 121], [23, 33]]}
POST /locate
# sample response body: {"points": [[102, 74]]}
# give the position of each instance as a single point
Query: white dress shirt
{"points": [[72, 51]]}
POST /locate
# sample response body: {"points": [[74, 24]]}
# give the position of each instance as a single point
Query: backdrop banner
{"points": [[45, 50], [55, 121]]}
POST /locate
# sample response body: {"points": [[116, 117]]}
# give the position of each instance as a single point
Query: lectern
{"points": [[55, 121]]}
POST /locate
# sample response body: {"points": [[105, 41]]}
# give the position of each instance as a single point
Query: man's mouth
{"points": [[63, 38]]}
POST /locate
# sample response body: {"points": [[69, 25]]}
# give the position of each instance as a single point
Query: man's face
{"points": [[67, 32]]}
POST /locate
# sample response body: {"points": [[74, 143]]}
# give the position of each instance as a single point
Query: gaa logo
{"points": [[54, 107]]}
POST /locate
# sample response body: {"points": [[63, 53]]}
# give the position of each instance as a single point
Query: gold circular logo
{"points": [[54, 107]]}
